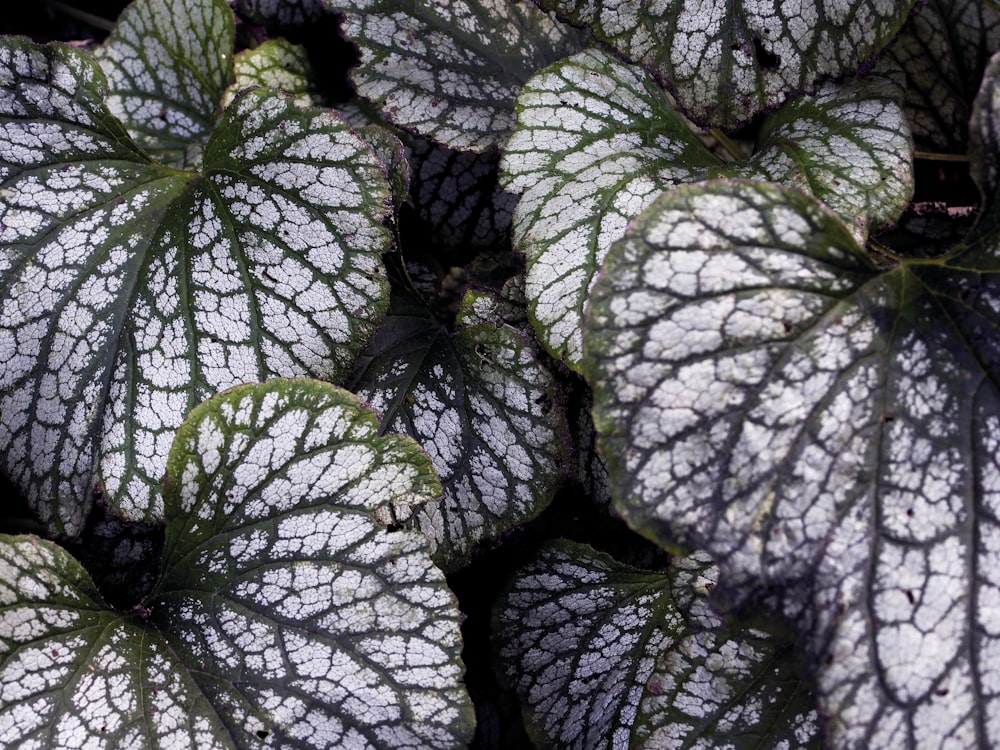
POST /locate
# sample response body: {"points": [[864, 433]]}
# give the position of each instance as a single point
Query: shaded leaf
{"points": [[824, 428], [597, 140], [450, 71], [74, 673], [166, 73], [131, 291], [483, 407], [457, 196], [605, 655], [727, 61], [287, 614], [943, 53], [281, 12]]}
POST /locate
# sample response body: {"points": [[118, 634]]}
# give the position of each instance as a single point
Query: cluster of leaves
{"points": [[292, 360]]}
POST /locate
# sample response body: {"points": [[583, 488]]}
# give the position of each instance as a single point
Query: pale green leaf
{"points": [[827, 430], [727, 61], [944, 52], [275, 64], [597, 140], [483, 407], [604, 655], [288, 613], [131, 292], [167, 67], [450, 71]]}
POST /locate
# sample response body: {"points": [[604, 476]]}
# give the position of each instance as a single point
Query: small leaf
{"points": [[597, 140], [604, 655], [288, 614], [728, 61], [275, 64], [944, 52], [481, 404], [129, 292], [823, 427], [450, 71], [166, 72]]}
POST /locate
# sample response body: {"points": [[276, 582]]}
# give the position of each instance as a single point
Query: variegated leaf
{"points": [[131, 291], [484, 408], [943, 53], [281, 12], [825, 428], [288, 614], [166, 71], [597, 140], [275, 64], [450, 71], [728, 61], [604, 655]]}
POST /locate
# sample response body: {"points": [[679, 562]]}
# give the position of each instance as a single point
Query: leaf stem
{"points": [[932, 156], [98, 22], [731, 147]]}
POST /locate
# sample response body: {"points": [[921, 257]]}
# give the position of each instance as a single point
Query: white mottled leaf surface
{"points": [[167, 66], [481, 404], [597, 140], [129, 292], [824, 428], [74, 673], [450, 71], [603, 655], [288, 612], [727, 61], [275, 64]]}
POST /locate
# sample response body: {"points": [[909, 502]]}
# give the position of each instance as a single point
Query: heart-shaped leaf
{"points": [[483, 407], [450, 71], [287, 614], [604, 655], [727, 61], [944, 52], [166, 73], [597, 140], [825, 428], [132, 291]]}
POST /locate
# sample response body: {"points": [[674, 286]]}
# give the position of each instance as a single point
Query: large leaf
{"points": [[826, 429], [604, 655], [131, 291], [287, 614], [450, 71], [944, 52], [597, 140], [481, 404], [727, 61], [167, 67]]}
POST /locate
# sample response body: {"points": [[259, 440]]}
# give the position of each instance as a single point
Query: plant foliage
{"points": [[678, 325]]}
